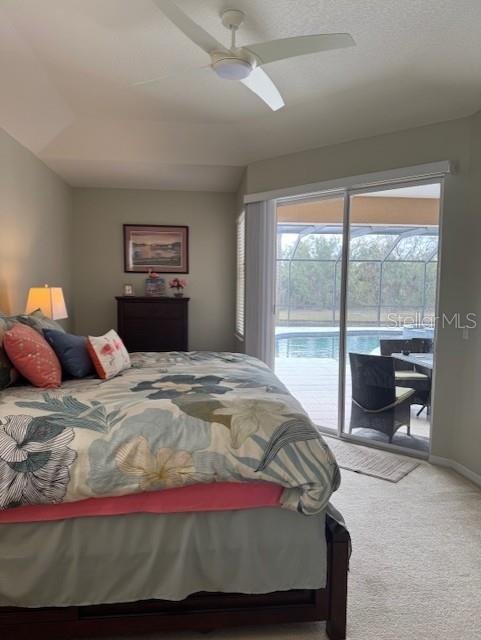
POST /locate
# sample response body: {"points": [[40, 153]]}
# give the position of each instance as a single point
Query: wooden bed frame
{"points": [[202, 611]]}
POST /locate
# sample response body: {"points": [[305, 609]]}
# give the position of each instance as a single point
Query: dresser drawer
{"points": [[153, 324], [152, 311]]}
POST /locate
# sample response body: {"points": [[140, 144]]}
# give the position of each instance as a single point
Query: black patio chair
{"points": [[405, 373], [377, 403], [389, 346]]}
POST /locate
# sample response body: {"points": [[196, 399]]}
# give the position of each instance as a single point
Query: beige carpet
{"points": [[415, 569], [371, 462]]}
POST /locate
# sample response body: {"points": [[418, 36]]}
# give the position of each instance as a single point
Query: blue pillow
{"points": [[71, 351]]}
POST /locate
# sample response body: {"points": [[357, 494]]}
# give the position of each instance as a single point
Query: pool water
{"points": [[323, 346]]}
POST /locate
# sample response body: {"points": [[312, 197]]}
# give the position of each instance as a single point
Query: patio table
{"points": [[423, 362]]}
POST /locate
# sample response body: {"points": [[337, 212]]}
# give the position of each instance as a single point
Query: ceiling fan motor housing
{"points": [[232, 18], [233, 65]]}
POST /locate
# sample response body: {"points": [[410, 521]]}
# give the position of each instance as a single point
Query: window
{"points": [[241, 276]]}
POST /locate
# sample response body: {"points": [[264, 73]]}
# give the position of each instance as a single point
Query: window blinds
{"points": [[241, 276], [260, 250]]}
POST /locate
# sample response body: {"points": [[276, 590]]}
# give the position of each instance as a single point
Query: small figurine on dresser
{"points": [[178, 284], [154, 284]]}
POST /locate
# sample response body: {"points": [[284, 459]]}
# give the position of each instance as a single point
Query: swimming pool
{"points": [[319, 346]]}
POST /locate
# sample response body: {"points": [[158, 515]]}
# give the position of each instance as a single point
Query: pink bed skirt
{"points": [[218, 496]]}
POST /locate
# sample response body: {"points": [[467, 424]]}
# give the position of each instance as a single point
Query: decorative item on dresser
{"points": [[154, 285], [179, 285], [148, 323]]}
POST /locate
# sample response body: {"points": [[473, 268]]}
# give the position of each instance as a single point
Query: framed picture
{"points": [[156, 247], [128, 290]]}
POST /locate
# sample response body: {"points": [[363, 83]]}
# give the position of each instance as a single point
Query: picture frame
{"points": [[128, 290], [159, 248]]}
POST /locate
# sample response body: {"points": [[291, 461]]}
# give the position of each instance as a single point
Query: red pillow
{"points": [[32, 356]]}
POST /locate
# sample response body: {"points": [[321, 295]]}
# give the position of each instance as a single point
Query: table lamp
{"points": [[49, 300]]}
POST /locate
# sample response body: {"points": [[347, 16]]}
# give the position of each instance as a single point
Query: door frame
{"points": [[347, 193]]}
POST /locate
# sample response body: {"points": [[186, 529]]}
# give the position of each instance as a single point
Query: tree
{"points": [[384, 272]]}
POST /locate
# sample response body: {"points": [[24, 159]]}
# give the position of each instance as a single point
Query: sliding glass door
{"points": [[309, 254], [390, 313], [356, 300]]}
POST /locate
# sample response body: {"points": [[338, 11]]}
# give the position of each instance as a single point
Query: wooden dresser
{"points": [[153, 324]]}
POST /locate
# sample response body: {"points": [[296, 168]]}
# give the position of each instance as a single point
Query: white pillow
{"points": [[108, 354]]}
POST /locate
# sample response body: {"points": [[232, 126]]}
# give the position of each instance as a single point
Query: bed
{"points": [[190, 492]]}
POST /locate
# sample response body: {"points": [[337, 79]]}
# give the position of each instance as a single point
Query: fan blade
{"points": [[299, 46], [166, 76], [191, 29], [260, 83]]}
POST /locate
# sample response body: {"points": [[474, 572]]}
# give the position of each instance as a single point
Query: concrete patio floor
{"points": [[314, 382]]}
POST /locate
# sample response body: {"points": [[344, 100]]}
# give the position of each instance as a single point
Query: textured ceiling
{"points": [[67, 66]]}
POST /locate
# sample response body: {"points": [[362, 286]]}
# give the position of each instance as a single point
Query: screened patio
{"points": [[391, 293], [392, 269]]}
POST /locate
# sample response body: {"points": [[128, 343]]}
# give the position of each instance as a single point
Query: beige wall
{"points": [[98, 257], [390, 151], [457, 401], [35, 227], [466, 432]]}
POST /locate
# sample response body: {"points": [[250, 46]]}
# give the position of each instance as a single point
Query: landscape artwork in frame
{"points": [[160, 248]]}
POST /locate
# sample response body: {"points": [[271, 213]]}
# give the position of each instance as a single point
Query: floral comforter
{"points": [[172, 419]]}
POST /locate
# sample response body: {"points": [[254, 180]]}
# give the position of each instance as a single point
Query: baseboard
{"points": [[456, 466]]}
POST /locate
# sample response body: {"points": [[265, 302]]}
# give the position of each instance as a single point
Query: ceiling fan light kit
{"points": [[229, 68], [245, 64], [232, 65]]}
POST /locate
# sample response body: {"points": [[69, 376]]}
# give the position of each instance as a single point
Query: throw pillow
{"points": [[71, 351], [8, 373], [32, 356], [108, 354], [38, 321]]}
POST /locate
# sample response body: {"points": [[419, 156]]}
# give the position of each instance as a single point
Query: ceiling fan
{"points": [[244, 64]]}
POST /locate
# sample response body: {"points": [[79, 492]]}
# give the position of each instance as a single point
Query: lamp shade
{"points": [[49, 300]]}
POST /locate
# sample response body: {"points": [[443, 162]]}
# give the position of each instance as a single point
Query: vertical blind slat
{"points": [[241, 269]]}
